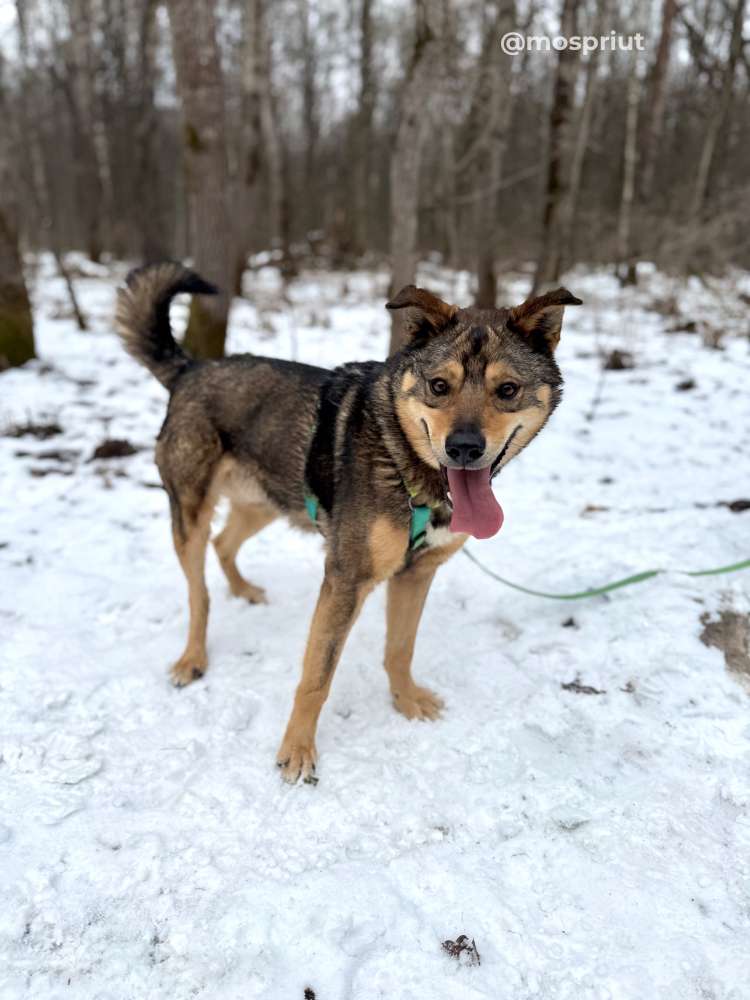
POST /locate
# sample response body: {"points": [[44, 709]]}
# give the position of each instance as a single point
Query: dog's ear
{"points": [[427, 314], [540, 319]]}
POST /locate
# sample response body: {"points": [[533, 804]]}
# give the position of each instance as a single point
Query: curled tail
{"points": [[142, 317]]}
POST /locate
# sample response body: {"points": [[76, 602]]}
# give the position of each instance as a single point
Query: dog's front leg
{"points": [[407, 593], [338, 605]]}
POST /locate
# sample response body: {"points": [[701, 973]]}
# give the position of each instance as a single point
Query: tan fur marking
{"points": [[498, 372], [408, 382], [388, 544], [498, 427], [451, 371], [238, 483], [410, 413], [441, 423], [243, 522], [543, 395]]}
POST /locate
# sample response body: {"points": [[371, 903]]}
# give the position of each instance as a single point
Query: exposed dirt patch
{"points": [[730, 633], [578, 688], [618, 361], [51, 454], [40, 471], [40, 431], [736, 506], [463, 950], [686, 385], [113, 448]]}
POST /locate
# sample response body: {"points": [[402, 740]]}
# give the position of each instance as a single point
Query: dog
{"points": [[392, 462]]}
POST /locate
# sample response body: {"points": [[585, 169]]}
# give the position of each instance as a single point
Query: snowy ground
{"points": [[593, 845]]}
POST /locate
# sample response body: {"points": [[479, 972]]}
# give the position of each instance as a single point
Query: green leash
{"points": [[615, 585]]}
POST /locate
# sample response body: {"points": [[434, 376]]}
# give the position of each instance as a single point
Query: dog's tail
{"points": [[142, 317]]}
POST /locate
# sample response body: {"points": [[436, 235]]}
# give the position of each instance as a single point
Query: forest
{"points": [[331, 134]]}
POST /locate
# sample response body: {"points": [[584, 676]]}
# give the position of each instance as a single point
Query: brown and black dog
{"points": [[361, 453]]}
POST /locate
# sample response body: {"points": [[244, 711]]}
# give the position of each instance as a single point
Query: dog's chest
{"points": [[437, 535]]}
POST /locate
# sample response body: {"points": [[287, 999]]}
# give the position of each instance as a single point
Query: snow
{"points": [[593, 846]]}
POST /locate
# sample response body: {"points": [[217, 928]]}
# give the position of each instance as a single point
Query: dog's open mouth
{"points": [[475, 509]]}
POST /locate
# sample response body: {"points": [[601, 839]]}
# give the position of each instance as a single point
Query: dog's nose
{"points": [[465, 445]]}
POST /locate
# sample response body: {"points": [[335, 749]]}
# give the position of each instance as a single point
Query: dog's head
{"points": [[473, 387]]}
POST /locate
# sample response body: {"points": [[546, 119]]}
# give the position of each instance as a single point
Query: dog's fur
{"points": [[265, 432]]}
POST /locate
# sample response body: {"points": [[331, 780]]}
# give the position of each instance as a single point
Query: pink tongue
{"points": [[475, 509]]}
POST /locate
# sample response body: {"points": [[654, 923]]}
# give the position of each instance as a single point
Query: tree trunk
{"points": [[718, 119], [578, 157], [200, 86], [630, 160], [654, 123], [497, 115], [310, 123], [16, 328], [251, 159], [79, 88], [550, 257], [363, 132], [33, 167], [405, 161], [156, 244]]}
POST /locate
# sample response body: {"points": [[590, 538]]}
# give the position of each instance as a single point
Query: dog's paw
{"points": [[190, 667], [251, 593], [297, 762], [418, 703]]}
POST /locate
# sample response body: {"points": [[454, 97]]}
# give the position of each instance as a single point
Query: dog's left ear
{"points": [[540, 319], [427, 313]]}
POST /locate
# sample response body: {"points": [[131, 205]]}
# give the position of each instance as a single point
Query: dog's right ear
{"points": [[427, 314]]}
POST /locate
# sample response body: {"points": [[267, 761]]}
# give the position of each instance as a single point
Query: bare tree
{"points": [[200, 85], [497, 101], [581, 142], [363, 128], [156, 242], [75, 79], [352, 125], [405, 160], [549, 262], [654, 111], [630, 161], [310, 112], [16, 327], [720, 113]]}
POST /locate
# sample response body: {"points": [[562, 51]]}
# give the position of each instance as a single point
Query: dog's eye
{"points": [[439, 386], [507, 390]]}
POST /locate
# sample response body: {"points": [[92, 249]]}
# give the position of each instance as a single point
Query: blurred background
{"points": [[336, 135]]}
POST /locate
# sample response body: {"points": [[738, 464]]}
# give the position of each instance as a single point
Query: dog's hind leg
{"points": [[407, 593], [190, 542], [244, 521]]}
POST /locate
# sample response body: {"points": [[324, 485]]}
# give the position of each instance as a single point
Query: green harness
{"points": [[420, 518]]}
